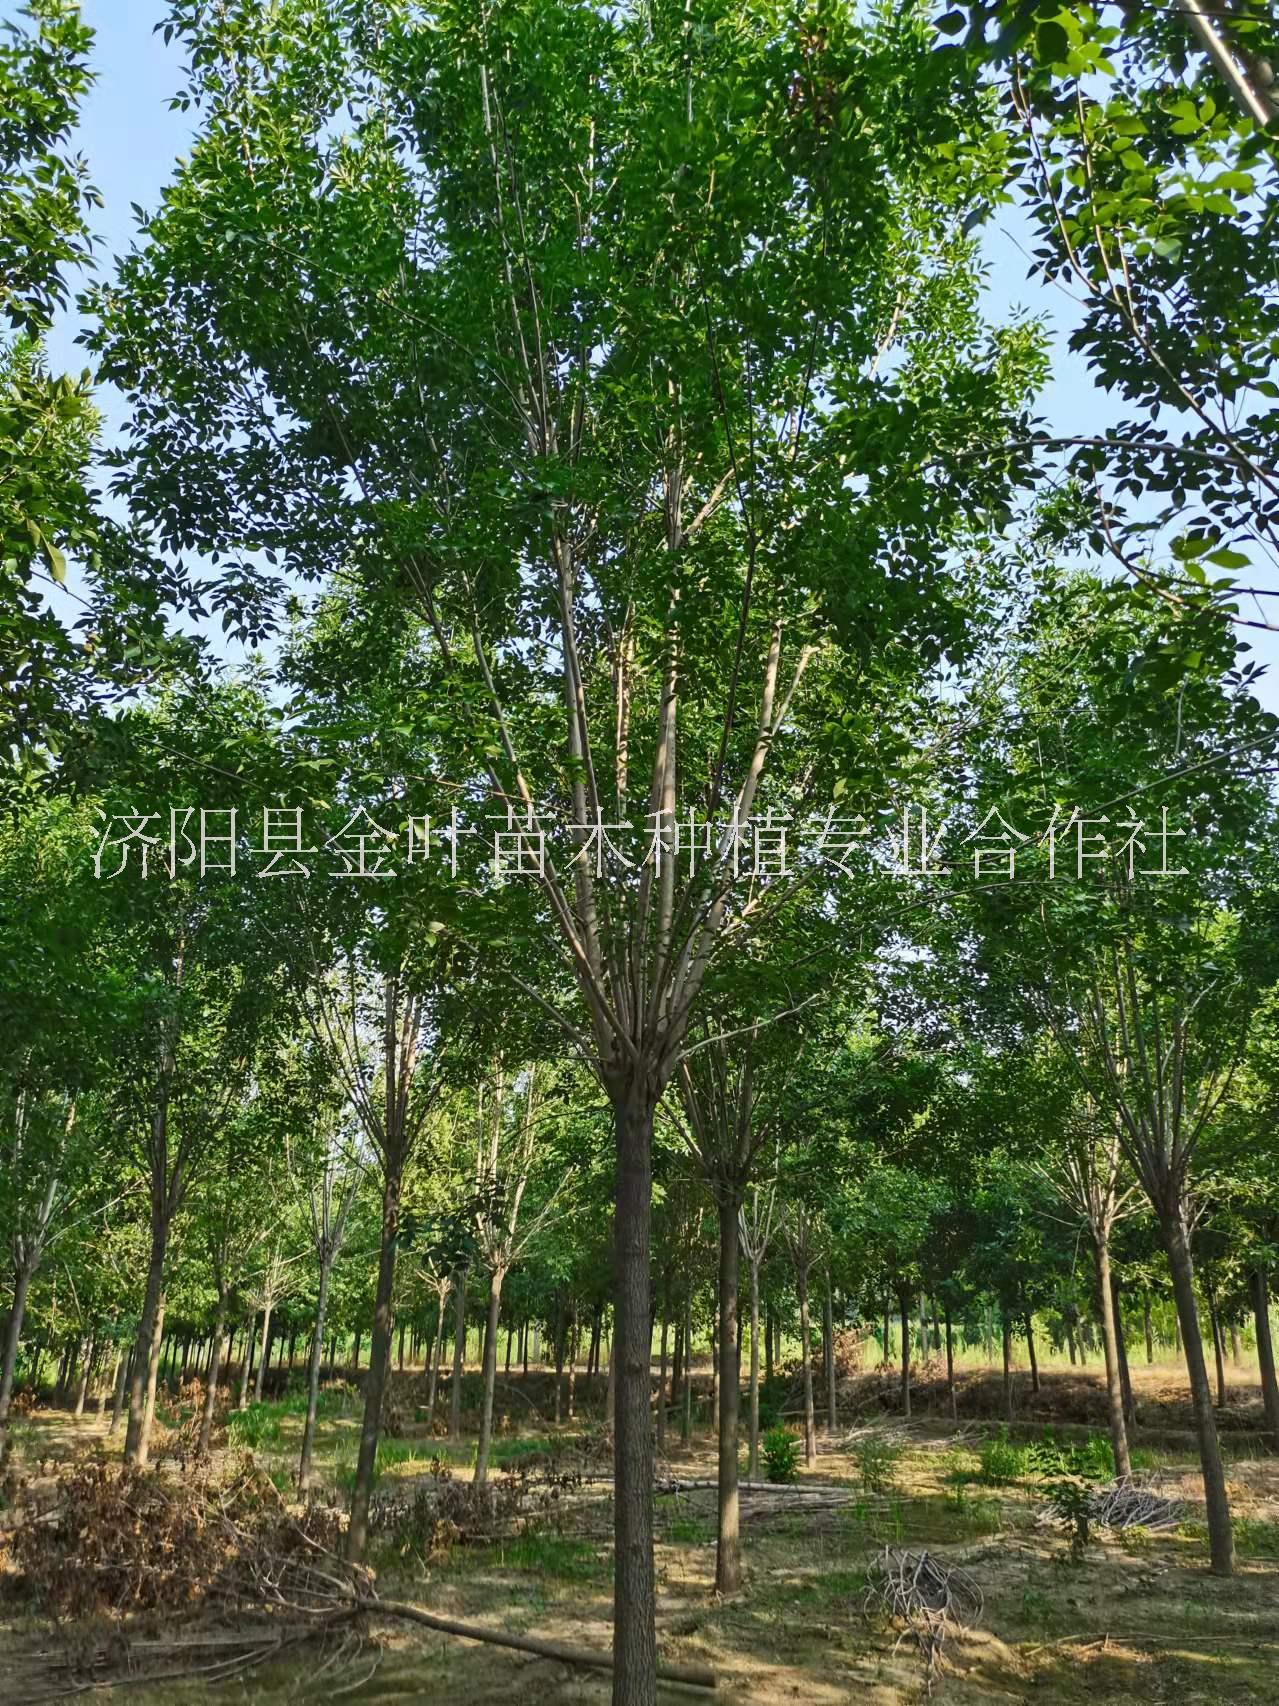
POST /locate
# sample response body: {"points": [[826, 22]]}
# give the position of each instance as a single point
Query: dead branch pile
{"points": [[432, 1514], [113, 1542], [1127, 1504], [926, 1596]]}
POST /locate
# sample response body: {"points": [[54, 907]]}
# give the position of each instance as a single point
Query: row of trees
{"points": [[599, 410]]}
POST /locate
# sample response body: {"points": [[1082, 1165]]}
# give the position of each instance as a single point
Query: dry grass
{"points": [[1138, 1619]]}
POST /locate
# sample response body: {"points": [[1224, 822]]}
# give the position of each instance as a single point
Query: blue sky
{"points": [[131, 137]]}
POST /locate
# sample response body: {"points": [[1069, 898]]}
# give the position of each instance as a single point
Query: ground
{"points": [[1137, 1617]]}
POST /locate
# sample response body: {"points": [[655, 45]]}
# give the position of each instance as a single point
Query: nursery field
{"points": [[639, 896], [1127, 1614]]}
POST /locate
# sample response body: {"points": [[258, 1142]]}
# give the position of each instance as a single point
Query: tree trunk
{"points": [[661, 1386], [1146, 1323], [250, 1340], [686, 1417], [752, 1464], [806, 1354], [950, 1365], [64, 1369], [399, 1345], [768, 1347], [215, 1368], [1220, 1534], [437, 1354], [491, 1327], [1121, 1347], [107, 1389], [459, 1354], [1114, 1384], [82, 1391], [12, 1338], [146, 1345], [634, 1598], [561, 1340], [1030, 1350], [905, 1309], [379, 1364], [728, 1556], [1218, 1346], [305, 1466], [572, 1364], [267, 1308], [1236, 1356], [1008, 1366], [828, 1337], [715, 1375], [153, 1369], [121, 1386], [1266, 1353]]}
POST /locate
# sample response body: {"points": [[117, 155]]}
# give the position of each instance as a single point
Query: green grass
{"points": [[256, 1426], [262, 1424], [1002, 1460], [974, 1513], [1255, 1539], [688, 1531], [391, 1453], [553, 1555], [510, 1450], [877, 1457], [833, 1586]]}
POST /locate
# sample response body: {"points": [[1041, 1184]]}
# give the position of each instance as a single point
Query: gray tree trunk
{"points": [[752, 1462], [634, 1593], [215, 1368], [459, 1355], [146, 1347], [305, 1467], [728, 1556], [491, 1325], [806, 1353], [379, 1367], [12, 1339], [1266, 1353], [1221, 1538], [1114, 1385], [828, 1340]]}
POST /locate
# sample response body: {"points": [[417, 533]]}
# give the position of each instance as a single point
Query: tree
{"points": [[1154, 197], [1141, 978], [56, 1006], [595, 466]]}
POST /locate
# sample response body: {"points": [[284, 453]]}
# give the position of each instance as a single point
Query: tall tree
{"points": [[610, 345]]}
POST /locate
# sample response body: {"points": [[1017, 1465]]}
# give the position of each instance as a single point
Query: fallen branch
{"points": [[694, 1676]]}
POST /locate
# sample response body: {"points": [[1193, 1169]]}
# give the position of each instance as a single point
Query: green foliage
{"points": [[256, 1426], [781, 1451], [1002, 1460], [1093, 1460], [877, 1457], [44, 76], [1071, 1503]]}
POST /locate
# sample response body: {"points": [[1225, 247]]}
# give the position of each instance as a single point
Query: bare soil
{"points": [[1138, 1619]]}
